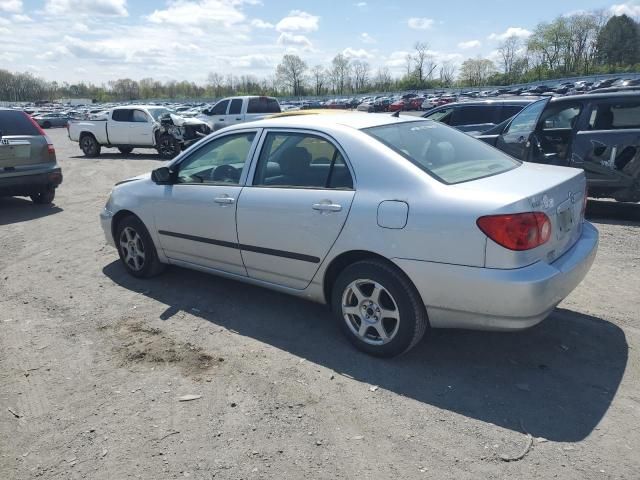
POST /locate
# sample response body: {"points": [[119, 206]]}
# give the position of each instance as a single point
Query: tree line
{"points": [[580, 44]]}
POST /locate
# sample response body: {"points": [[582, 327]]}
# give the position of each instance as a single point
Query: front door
{"points": [[514, 140], [140, 129], [196, 215], [294, 210]]}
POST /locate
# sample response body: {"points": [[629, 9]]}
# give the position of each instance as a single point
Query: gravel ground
{"points": [[93, 364]]}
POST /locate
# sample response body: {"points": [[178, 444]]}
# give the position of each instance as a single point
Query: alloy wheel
{"points": [[132, 249]]}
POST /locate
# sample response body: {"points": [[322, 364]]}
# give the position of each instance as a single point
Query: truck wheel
{"points": [[45, 197], [168, 147], [89, 145], [125, 150]]}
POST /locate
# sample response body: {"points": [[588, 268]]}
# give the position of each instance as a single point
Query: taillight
{"points": [[517, 231]]}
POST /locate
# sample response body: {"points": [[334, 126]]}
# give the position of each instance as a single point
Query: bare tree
{"points": [[318, 74], [476, 71], [424, 62], [291, 72], [383, 79], [447, 74], [508, 55], [360, 75], [409, 63], [340, 72]]}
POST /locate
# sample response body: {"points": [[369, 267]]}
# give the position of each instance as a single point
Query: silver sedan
{"points": [[398, 223]]}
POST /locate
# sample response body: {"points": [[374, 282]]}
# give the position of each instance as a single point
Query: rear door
{"points": [[514, 140], [293, 211], [235, 114], [118, 126], [22, 145], [608, 143]]}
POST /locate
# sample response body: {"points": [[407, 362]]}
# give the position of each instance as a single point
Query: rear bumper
{"points": [[494, 299], [29, 183]]}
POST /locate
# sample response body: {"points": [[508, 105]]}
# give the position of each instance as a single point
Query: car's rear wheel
{"points": [[45, 197], [125, 150], [46, 125], [136, 248], [378, 308], [168, 147], [90, 145]]}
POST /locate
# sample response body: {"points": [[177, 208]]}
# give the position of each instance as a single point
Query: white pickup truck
{"points": [[138, 126], [229, 111]]}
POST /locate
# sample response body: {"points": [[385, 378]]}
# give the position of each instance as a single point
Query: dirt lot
{"points": [[93, 363]]}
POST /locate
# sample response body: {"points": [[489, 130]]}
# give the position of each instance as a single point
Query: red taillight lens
{"points": [[518, 231]]}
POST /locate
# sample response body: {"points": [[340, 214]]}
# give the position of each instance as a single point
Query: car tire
{"points": [[136, 249], [168, 147], [46, 125], [125, 150], [90, 146], [45, 197], [382, 289]]}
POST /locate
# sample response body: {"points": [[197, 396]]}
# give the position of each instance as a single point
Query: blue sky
{"points": [[98, 40]]}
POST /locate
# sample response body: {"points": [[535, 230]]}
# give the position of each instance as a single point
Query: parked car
{"points": [[598, 132], [28, 165], [138, 126], [230, 111], [397, 105], [48, 120], [478, 115], [381, 104], [393, 219]]}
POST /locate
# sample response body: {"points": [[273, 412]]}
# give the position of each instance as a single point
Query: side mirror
{"points": [[162, 176]]}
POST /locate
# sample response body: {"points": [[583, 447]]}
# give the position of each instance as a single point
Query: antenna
{"points": [[396, 114]]}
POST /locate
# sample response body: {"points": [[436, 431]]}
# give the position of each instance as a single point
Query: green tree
{"points": [[619, 42]]}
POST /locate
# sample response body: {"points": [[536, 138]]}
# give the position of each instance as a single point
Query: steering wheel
{"points": [[226, 173]]}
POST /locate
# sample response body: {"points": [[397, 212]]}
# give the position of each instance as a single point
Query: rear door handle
{"points": [[327, 207], [224, 200]]}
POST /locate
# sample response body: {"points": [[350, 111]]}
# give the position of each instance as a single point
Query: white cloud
{"points": [[298, 21], [289, 39], [420, 23], [256, 22], [470, 44], [397, 58], [200, 13], [114, 8], [11, 6], [366, 38], [632, 9], [511, 32], [19, 18], [361, 4], [359, 54]]}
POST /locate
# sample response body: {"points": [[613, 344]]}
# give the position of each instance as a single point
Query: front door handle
{"points": [[327, 207], [224, 200]]}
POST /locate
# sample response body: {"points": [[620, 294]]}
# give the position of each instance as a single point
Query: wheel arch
{"points": [[342, 261], [84, 133], [118, 217]]}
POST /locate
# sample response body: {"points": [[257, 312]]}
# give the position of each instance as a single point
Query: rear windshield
{"points": [[16, 123], [446, 154], [263, 105]]}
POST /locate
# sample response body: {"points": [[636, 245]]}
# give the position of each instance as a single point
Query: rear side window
{"points": [[615, 116], [263, 105], [302, 161], [236, 106], [16, 123], [448, 155], [508, 111], [121, 115], [473, 115]]}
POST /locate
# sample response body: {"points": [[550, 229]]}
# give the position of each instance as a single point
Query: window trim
{"points": [[237, 100], [245, 168], [145, 113], [251, 177], [130, 110]]}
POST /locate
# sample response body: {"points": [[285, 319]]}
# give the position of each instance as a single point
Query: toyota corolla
{"points": [[400, 224]]}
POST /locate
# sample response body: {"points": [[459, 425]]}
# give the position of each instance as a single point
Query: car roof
{"points": [[495, 101], [596, 96], [355, 120]]}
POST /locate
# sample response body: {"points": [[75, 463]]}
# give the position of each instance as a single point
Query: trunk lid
{"points": [[556, 191]]}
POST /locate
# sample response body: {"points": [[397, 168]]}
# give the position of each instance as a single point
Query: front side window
{"points": [[564, 118], [301, 160], [218, 162], [220, 108], [139, 116], [615, 116], [527, 119], [446, 154]]}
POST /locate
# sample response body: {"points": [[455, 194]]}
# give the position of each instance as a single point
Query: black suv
{"points": [[477, 116], [599, 133], [27, 159]]}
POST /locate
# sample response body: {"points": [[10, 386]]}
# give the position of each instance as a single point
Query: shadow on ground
{"points": [[115, 155], [17, 209], [603, 211], [557, 379]]}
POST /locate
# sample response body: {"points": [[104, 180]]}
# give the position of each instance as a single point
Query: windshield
{"points": [[156, 113], [446, 154]]}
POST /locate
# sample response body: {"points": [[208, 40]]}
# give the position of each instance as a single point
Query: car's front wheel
{"points": [[168, 147], [379, 309], [136, 248]]}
